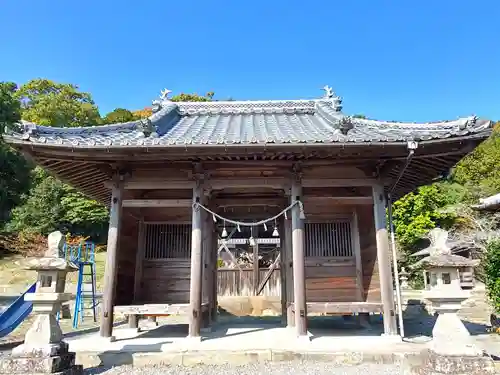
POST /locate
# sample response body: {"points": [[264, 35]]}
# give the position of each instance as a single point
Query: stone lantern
{"points": [[403, 278], [43, 350], [452, 350]]}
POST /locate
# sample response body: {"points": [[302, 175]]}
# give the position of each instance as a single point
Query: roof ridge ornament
{"points": [[334, 98], [329, 94], [164, 94], [157, 104]]}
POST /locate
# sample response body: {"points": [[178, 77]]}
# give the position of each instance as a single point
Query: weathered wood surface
{"points": [[342, 307], [111, 266], [159, 309], [232, 282], [166, 280]]}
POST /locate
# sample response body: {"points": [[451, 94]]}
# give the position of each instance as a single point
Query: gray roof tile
{"points": [[246, 122]]}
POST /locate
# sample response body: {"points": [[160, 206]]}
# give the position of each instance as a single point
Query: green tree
{"points": [[480, 171], [418, 212], [50, 204], [14, 170], [492, 273], [118, 115], [42, 211], [208, 97], [46, 102]]}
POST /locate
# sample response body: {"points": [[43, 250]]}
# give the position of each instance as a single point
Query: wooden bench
{"points": [[340, 308], [135, 312]]}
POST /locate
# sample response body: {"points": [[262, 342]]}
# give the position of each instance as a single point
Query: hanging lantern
{"points": [[251, 241]]}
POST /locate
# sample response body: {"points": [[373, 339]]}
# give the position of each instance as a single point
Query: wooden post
{"points": [[290, 294], [357, 254], [255, 248], [111, 266], [284, 303], [139, 263], [195, 290], [215, 274], [208, 256], [299, 281], [384, 266]]}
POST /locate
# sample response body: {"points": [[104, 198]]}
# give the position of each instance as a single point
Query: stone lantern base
{"points": [[51, 359], [433, 363]]}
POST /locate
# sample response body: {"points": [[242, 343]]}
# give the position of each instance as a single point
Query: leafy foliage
{"points": [[492, 272], [46, 102], [193, 97], [10, 107], [417, 213], [119, 115], [143, 113], [14, 170], [480, 169]]}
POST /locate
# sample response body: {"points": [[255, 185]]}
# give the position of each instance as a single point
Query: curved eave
{"points": [[18, 141]]}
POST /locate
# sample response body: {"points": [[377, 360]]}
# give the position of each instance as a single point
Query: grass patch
{"points": [[13, 274]]}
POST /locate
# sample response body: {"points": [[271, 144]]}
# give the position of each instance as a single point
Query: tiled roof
{"points": [[490, 203], [245, 123]]}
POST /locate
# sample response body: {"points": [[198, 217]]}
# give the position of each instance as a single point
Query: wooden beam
{"points": [[157, 203], [164, 184], [384, 266], [343, 307], [299, 281], [337, 182], [111, 266], [195, 290], [340, 200], [268, 274], [268, 182]]}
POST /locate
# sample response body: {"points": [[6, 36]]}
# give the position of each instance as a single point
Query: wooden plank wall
{"points": [[165, 281], [330, 280], [129, 231], [232, 282], [371, 280]]}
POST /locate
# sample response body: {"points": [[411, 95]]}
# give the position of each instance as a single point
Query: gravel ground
{"points": [[271, 368]]}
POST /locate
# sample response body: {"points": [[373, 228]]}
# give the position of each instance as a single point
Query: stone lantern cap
{"points": [[439, 253], [53, 259]]}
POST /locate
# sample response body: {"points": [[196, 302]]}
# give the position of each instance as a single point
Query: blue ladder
{"points": [[85, 292], [83, 255]]}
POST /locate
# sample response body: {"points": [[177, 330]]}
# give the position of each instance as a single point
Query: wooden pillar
{"points": [[215, 257], [139, 263], [283, 262], [195, 290], [290, 294], [299, 281], [357, 254], [208, 256], [111, 266], [255, 263], [384, 265]]}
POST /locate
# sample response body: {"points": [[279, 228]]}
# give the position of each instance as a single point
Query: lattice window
{"points": [[329, 239], [167, 241]]}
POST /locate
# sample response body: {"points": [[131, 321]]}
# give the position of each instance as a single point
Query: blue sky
{"points": [[395, 60]]}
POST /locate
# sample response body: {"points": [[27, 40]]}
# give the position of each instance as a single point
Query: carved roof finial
{"points": [[328, 92], [164, 94]]}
